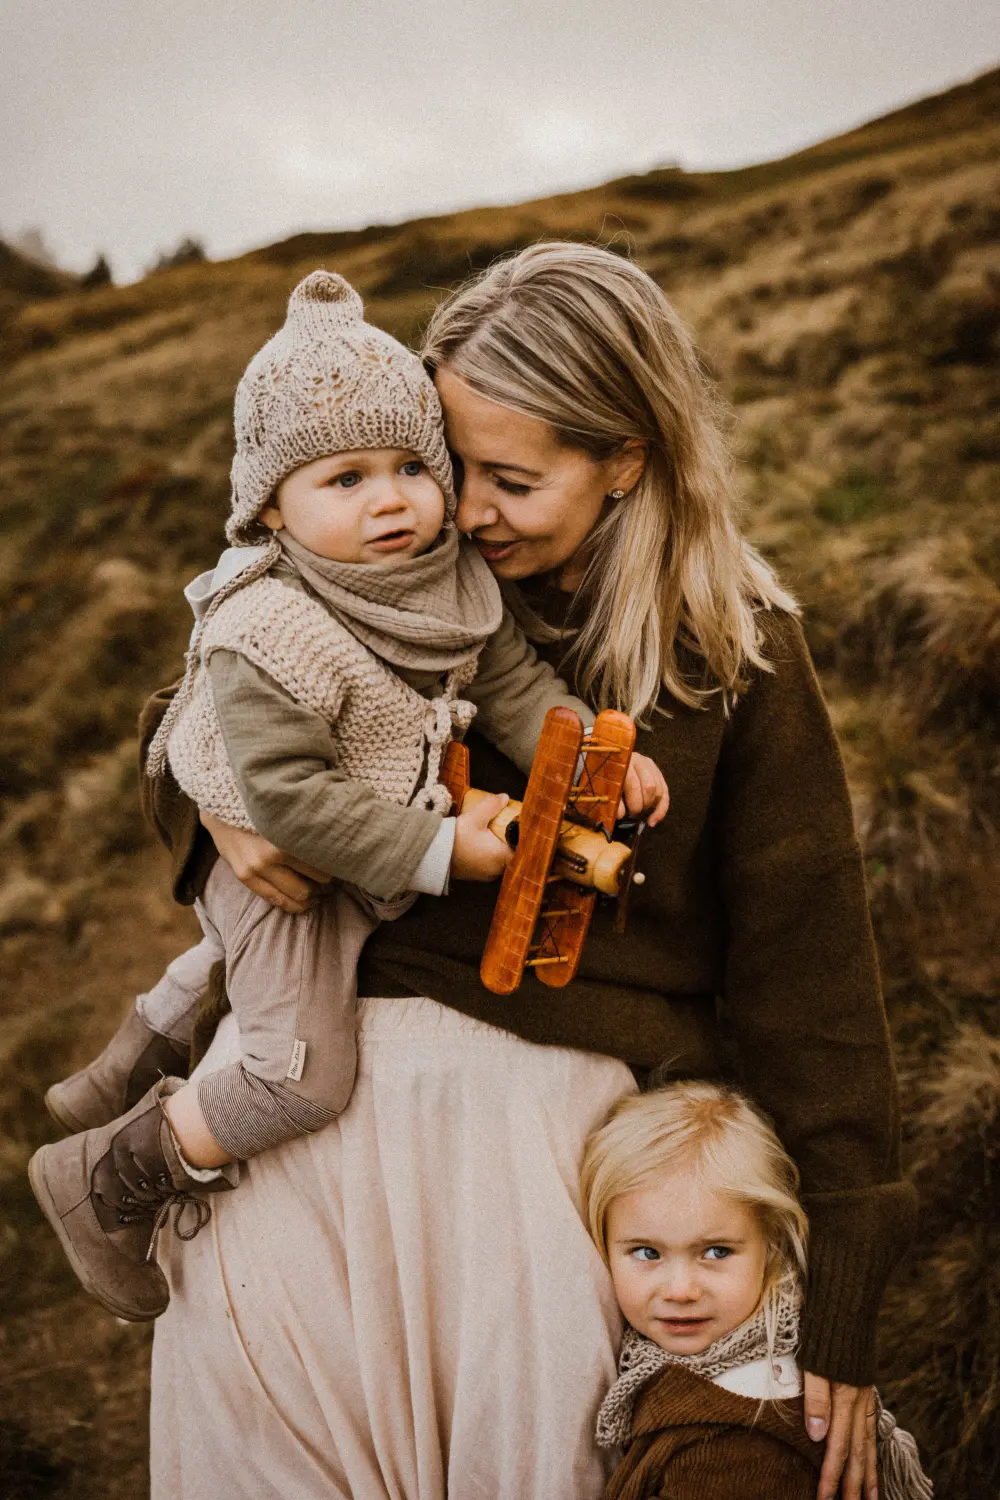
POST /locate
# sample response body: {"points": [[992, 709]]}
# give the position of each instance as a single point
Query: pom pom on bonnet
{"points": [[326, 383]]}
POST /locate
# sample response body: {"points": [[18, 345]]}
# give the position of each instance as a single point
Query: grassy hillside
{"points": [[848, 298]]}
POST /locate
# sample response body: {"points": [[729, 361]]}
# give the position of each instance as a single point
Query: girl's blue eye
{"points": [[646, 1253], [509, 487], [413, 468], [718, 1252]]}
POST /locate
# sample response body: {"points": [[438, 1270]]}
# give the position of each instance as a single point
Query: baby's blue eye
{"points": [[718, 1252], [646, 1253], [347, 481], [413, 468]]}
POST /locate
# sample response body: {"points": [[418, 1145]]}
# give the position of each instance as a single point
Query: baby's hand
{"points": [[645, 788], [478, 854]]}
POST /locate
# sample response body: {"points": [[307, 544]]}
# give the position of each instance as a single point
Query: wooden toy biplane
{"points": [[565, 851]]}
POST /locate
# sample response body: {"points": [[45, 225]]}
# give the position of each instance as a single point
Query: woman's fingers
{"points": [[852, 1485], [817, 1404], [846, 1462], [263, 868], [871, 1447], [294, 891], [317, 877]]}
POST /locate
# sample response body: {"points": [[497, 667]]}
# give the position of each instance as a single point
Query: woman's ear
{"points": [[270, 516], [627, 466]]}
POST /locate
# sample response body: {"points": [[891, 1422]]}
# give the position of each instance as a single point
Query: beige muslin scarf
{"points": [[429, 613]]}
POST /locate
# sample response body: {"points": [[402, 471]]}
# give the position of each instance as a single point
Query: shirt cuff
{"points": [[430, 877]]}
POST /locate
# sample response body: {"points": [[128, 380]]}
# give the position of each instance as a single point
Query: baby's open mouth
{"points": [[392, 541]]}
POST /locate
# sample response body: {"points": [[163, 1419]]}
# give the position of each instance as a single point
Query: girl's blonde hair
{"points": [[716, 1133], [586, 341]]}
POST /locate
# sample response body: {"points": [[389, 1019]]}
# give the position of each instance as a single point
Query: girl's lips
{"points": [[494, 551], [683, 1325]]}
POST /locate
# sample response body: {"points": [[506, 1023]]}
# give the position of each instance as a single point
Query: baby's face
{"points": [[376, 505], [687, 1262]]}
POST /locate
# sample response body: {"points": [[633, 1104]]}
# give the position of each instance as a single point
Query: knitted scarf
{"points": [[431, 612], [640, 1360]]}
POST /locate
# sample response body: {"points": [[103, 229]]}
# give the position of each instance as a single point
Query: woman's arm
{"points": [[802, 989], [513, 690]]}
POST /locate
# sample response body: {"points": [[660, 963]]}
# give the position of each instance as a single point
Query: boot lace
{"points": [[163, 1198]]}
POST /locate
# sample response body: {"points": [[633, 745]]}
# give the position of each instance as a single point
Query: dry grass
{"points": [[849, 300]]}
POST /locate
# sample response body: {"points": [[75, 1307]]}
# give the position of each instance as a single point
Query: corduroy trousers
{"points": [[405, 1305]]}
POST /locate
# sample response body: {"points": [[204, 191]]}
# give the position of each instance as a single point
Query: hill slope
{"points": [[849, 300]]}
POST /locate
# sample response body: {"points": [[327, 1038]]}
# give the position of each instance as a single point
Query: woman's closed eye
{"points": [[509, 487]]}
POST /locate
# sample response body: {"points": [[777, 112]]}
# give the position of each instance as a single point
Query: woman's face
{"points": [[528, 501]]}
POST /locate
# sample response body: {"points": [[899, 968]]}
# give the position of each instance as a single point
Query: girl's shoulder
{"points": [[689, 1436], [678, 1399]]}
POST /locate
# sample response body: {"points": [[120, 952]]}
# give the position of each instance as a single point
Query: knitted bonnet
{"points": [[327, 383]]}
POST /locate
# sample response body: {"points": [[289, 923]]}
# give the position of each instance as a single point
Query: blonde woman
{"points": [[439, 1322]]}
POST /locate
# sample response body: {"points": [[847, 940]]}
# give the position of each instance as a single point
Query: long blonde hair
{"points": [[586, 341], [718, 1134]]}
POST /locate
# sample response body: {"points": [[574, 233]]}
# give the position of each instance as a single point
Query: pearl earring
{"points": [[617, 495]]}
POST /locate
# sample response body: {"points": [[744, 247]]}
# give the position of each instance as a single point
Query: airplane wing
{"points": [[593, 800], [508, 949]]}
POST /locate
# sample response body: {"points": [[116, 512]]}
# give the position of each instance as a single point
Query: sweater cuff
{"points": [[431, 875], [855, 1241]]}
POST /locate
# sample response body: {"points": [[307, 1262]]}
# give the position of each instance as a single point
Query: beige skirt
{"points": [[405, 1305]]}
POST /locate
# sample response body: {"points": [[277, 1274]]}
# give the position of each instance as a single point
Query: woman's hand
{"points": [[264, 869], [478, 854], [645, 788], [845, 1416]]}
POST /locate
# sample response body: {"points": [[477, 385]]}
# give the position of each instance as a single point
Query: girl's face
{"points": [[528, 501], [687, 1262], [378, 505]]}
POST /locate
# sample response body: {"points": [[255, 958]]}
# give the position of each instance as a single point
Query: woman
{"points": [[406, 1304]]}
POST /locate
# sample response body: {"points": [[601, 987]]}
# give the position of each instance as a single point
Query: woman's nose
{"points": [[475, 506]]}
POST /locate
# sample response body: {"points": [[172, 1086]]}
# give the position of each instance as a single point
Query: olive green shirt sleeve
{"points": [[513, 691], [284, 762]]}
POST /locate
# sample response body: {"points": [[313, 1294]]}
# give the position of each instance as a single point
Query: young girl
{"points": [[692, 1203], [324, 680]]}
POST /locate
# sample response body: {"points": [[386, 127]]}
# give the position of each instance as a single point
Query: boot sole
{"points": [[62, 1116], [40, 1188]]}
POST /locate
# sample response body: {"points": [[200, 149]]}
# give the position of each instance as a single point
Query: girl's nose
{"points": [[678, 1285], [475, 507]]}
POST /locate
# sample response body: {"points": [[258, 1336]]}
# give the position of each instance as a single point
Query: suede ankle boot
{"points": [[128, 1067], [107, 1193]]}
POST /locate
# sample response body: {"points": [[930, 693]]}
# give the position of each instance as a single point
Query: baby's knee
{"points": [[321, 1079]]}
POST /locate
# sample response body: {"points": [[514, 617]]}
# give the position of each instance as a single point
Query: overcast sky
{"points": [[126, 125]]}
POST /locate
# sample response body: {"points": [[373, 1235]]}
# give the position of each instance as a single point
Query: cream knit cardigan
{"points": [[386, 734]]}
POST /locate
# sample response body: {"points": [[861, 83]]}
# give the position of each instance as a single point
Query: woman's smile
{"points": [[495, 552]]}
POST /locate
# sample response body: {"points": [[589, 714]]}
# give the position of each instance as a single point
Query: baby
{"points": [[340, 643], [692, 1203]]}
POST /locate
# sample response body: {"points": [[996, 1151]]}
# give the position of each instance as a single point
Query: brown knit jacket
{"points": [[749, 951], [692, 1440]]}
